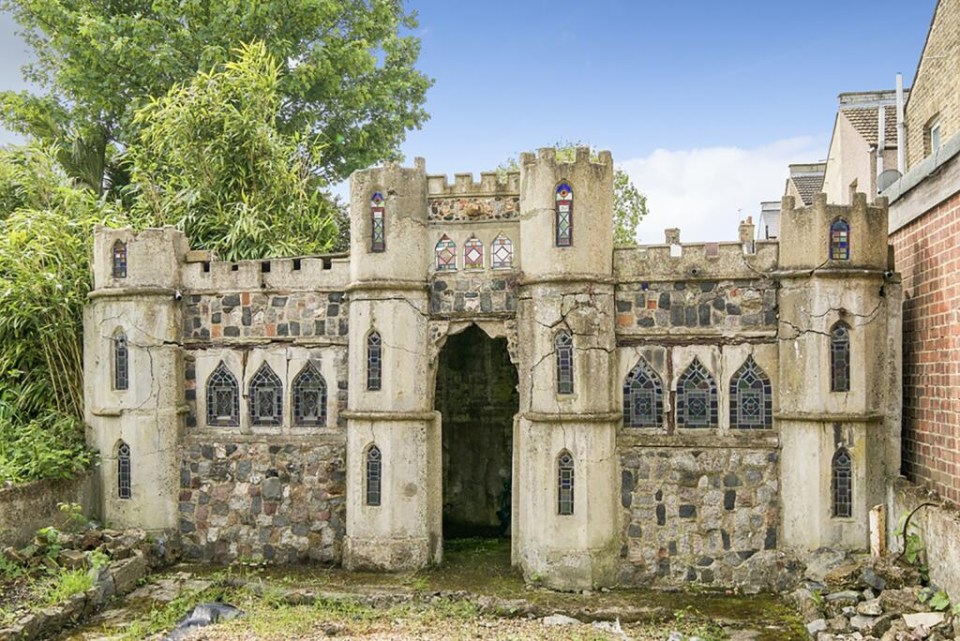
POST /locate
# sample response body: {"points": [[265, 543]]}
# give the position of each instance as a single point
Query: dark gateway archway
{"points": [[477, 395]]}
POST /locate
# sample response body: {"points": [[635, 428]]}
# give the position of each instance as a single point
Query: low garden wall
{"points": [[26, 508]]}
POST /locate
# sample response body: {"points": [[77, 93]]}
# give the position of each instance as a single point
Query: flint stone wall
{"points": [[697, 511], [309, 315], [266, 499], [467, 296], [721, 305]]}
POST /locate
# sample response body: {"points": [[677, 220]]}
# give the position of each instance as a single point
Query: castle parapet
{"points": [[694, 262]]}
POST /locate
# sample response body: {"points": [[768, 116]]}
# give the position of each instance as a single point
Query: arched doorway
{"points": [[476, 393]]}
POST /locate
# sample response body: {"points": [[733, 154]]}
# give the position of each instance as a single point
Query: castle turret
{"points": [[393, 440], [565, 503], [133, 374], [839, 303]]}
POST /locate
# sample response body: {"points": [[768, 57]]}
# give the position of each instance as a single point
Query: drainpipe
{"points": [[901, 129], [881, 144]]}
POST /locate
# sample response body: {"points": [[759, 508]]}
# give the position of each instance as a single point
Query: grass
{"points": [[65, 584]]}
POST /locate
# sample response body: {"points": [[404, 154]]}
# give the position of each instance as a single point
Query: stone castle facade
{"points": [[486, 360]]}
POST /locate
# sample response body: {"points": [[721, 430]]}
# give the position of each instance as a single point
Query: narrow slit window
{"points": [[309, 398], [501, 253], [266, 397], [842, 484], [840, 358], [564, 352], [473, 253], [751, 400], [223, 398], [378, 236], [374, 475], [565, 484], [696, 397], [121, 362], [642, 397], [374, 361], [119, 259], [564, 215], [839, 240], [446, 251], [124, 489]]}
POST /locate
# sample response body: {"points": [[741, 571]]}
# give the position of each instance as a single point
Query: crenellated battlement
{"points": [[582, 156], [304, 273], [491, 184], [694, 261]]}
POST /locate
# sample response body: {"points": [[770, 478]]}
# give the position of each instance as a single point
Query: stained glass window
{"points": [[121, 362], [124, 490], [842, 484], [564, 223], [564, 350], [446, 251], [502, 253], [840, 358], [374, 475], [473, 253], [223, 398], [642, 397], [119, 259], [378, 237], [309, 397], [696, 397], [565, 483], [266, 397], [840, 240], [751, 400], [374, 361]]}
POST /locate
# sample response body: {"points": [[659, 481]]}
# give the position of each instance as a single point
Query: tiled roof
{"points": [[808, 186], [864, 120]]}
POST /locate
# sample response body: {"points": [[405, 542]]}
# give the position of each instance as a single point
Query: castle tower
{"points": [[393, 434], [133, 374], [565, 529], [839, 370]]}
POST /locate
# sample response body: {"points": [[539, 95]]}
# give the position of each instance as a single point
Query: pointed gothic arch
{"points": [[223, 398], [309, 398], [266, 397], [696, 397], [751, 397], [642, 397]]}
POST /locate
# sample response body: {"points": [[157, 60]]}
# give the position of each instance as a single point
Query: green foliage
{"points": [[629, 204], [913, 547], [348, 72], [10, 571], [67, 583], [211, 161]]}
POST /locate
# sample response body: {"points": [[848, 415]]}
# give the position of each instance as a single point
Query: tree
{"points": [[629, 204], [347, 75], [211, 161]]}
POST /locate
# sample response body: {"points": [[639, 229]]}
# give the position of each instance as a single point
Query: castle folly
{"points": [[485, 359]]}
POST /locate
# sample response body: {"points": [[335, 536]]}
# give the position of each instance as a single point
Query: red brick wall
{"points": [[928, 256]]}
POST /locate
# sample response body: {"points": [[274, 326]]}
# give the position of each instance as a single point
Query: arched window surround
{"points": [[265, 397], [309, 397], [839, 239], [378, 231], [501, 252], [565, 483], [373, 476], [840, 357], [124, 465], [223, 398], [446, 254], [841, 484], [696, 397], [121, 361], [642, 397], [473, 253], [563, 219], [374, 361], [751, 397], [563, 347], [119, 256]]}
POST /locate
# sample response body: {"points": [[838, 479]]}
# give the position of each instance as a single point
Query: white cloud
{"points": [[700, 190]]}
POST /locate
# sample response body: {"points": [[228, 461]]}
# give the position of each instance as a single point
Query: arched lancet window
{"points": [[374, 475], [223, 398], [266, 397], [121, 361], [501, 253], [842, 483], [840, 358], [374, 361], [124, 489], [446, 251], [309, 397], [696, 397], [840, 240], [473, 253], [642, 397], [378, 235], [751, 400], [563, 344], [119, 259], [564, 217], [565, 483]]}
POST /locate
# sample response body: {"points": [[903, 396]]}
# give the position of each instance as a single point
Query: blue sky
{"points": [[702, 102]]}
